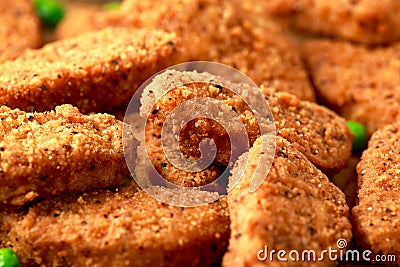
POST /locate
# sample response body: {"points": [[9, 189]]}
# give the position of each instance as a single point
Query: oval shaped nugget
{"points": [[317, 132], [235, 33], [126, 227], [359, 83], [94, 72], [368, 21], [376, 216], [295, 208], [19, 28], [46, 154]]}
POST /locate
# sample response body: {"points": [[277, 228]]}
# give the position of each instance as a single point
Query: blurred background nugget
{"points": [[123, 227], [376, 217], [229, 32], [19, 28], [361, 21], [94, 72], [295, 208], [359, 83], [47, 154]]}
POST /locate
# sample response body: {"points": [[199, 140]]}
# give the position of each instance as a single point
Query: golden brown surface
{"points": [[174, 88], [317, 132], [365, 21], [46, 154], [94, 72], [296, 207], [360, 83], [230, 32], [19, 28], [376, 217], [126, 227]]}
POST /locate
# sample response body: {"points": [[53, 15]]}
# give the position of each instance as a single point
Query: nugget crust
{"points": [[359, 83], [126, 227], [317, 132], [19, 28], [376, 217], [367, 21], [45, 154], [94, 72], [228, 32], [296, 207]]}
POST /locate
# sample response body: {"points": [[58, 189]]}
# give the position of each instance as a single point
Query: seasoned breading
{"points": [[295, 208], [46, 154], [94, 72], [367, 21], [317, 132], [376, 217], [178, 176], [228, 32], [360, 83], [172, 90], [19, 28], [126, 227]]}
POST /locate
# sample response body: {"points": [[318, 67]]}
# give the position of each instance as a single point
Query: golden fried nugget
{"points": [[125, 227], [46, 154], [367, 21], [94, 72], [317, 132], [19, 28], [295, 208], [359, 83], [228, 32], [376, 217], [172, 90]]}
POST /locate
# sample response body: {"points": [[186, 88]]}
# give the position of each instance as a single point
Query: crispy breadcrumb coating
{"points": [[317, 132], [19, 28], [366, 21], [46, 154], [124, 227], [295, 208], [94, 72], [376, 217], [359, 83], [230, 32]]}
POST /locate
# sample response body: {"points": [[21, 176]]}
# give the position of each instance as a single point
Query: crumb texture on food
{"points": [[47, 154]]}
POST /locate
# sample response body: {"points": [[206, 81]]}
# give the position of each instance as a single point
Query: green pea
{"points": [[360, 141], [112, 6], [8, 258], [50, 12]]}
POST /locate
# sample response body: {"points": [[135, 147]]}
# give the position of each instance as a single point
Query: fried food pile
{"points": [[68, 196]]}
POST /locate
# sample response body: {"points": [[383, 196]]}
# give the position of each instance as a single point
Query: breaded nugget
{"points": [[46, 154], [94, 72], [126, 227], [359, 83], [19, 28], [231, 123], [367, 21], [376, 217], [295, 208], [317, 132], [228, 32]]}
